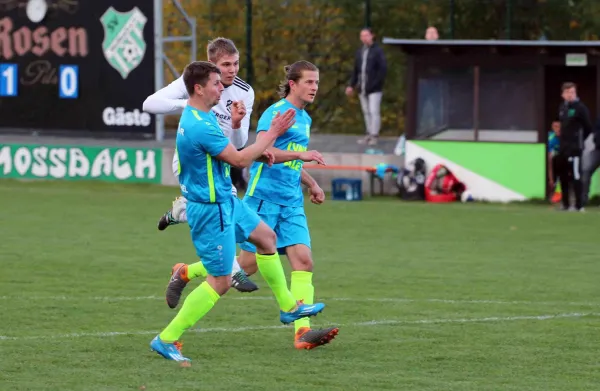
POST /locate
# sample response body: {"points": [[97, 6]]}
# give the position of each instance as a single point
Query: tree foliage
{"points": [[325, 32]]}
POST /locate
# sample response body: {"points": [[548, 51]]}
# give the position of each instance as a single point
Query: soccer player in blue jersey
{"points": [[216, 218], [275, 193]]}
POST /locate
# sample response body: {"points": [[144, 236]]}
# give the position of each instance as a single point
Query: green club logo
{"points": [[124, 44]]}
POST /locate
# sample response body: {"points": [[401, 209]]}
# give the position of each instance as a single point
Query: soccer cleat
{"points": [[179, 346], [167, 350], [176, 284], [172, 216], [242, 283], [166, 220], [301, 311], [306, 338]]}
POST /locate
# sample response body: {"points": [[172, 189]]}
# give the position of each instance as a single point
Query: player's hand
{"points": [[268, 157], [238, 112], [317, 195], [282, 122], [349, 91], [312, 156]]}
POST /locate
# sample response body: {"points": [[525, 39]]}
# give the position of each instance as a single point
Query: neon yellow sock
{"points": [[272, 271], [196, 305], [196, 270], [303, 289]]}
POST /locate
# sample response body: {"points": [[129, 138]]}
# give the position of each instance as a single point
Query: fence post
{"points": [[249, 65], [508, 18], [159, 76], [452, 4]]}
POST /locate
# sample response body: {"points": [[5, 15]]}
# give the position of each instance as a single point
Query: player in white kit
{"points": [[172, 99]]}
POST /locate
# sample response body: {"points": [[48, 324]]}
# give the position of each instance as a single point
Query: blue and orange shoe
{"points": [[307, 338], [170, 351], [301, 311], [179, 279]]}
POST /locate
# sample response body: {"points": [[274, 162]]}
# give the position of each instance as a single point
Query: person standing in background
{"points": [[553, 149], [368, 77], [575, 127]]}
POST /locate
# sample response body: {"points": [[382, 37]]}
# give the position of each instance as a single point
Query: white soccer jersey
{"points": [[172, 99]]}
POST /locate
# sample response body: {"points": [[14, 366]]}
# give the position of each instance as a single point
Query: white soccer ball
{"points": [[466, 196]]}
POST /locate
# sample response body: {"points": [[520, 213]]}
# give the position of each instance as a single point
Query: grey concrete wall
{"points": [[168, 179]]}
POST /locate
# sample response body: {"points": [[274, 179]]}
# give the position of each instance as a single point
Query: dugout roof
{"points": [[502, 47], [465, 89]]}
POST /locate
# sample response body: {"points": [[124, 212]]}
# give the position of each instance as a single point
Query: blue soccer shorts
{"points": [[215, 229], [246, 220], [288, 222]]}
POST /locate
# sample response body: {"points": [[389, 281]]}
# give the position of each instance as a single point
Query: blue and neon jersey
{"points": [[280, 183], [553, 143], [202, 178]]}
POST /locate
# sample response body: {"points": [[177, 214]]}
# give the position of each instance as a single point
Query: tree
{"points": [[326, 33]]}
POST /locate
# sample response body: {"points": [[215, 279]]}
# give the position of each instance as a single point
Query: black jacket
{"points": [[575, 127], [376, 69]]}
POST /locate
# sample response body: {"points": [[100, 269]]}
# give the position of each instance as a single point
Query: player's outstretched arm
{"points": [[282, 156], [244, 158], [170, 99]]}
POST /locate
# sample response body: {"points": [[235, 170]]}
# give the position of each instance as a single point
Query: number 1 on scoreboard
{"points": [[8, 79]]}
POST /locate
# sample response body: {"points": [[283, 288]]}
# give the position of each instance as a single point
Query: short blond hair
{"points": [[219, 47]]}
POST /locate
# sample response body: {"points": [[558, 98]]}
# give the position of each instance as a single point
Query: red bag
{"points": [[442, 186]]}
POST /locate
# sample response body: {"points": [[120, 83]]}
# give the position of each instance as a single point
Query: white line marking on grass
{"points": [[371, 323], [257, 297]]}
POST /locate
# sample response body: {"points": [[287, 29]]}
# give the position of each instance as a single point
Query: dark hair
{"points": [[198, 72], [219, 47], [294, 73], [568, 85]]}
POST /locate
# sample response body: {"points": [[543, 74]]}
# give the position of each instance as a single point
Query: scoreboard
{"points": [[76, 65]]}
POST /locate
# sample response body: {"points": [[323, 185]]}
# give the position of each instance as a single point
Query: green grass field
{"points": [[427, 297]]}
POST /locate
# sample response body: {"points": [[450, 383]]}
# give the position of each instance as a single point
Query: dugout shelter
{"points": [[484, 107]]}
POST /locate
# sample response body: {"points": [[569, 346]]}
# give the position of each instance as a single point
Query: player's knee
{"points": [[267, 243], [247, 262], [300, 258], [264, 239], [220, 284], [303, 263]]}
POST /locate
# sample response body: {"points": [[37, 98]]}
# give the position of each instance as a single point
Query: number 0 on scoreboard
{"points": [[68, 81]]}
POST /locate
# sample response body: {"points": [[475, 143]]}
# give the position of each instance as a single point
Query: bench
{"points": [[370, 169]]}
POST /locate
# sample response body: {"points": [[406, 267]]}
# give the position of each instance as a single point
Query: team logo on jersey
{"points": [[228, 105], [123, 46]]}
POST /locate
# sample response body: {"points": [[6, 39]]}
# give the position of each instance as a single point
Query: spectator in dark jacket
{"points": [[367, 78], [575, 127]]}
